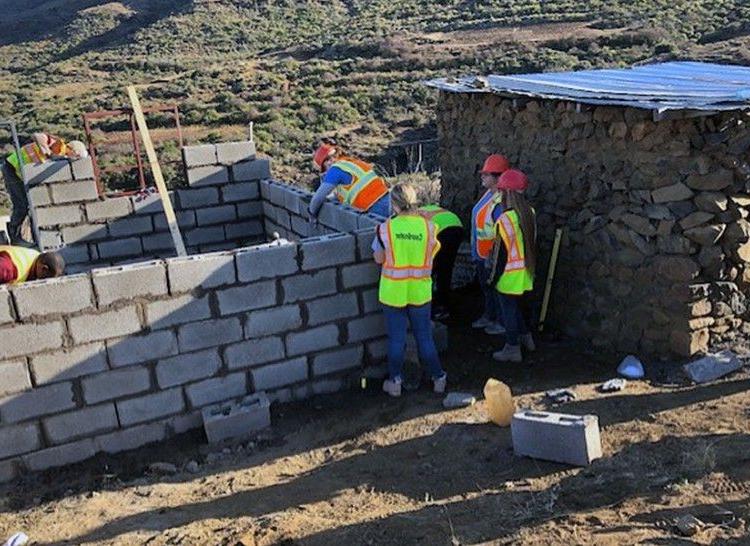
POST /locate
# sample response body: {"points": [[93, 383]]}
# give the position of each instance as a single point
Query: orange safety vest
{"points": [[483, 227], [366, 187], [32, 154]]}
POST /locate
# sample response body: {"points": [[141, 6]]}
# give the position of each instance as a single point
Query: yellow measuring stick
{"points": [[550, 277]]}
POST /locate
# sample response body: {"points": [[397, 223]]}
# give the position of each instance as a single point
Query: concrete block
{"points": [[209, 175], [14, 377], [329, 213], [49, 171], [225, 246], [60, 455], [277, 194], [150, 202], [260, 169], [208, 333], [229, 153], [184, 368], [364, 238], [59, 216], [116, 323], [119, 248], [81, 423], [10, 469], [5, 305], [185, 220], [329, 385], [37, 402], [348, 219], [284, 219], [136, 225], [131, 438], [368, 327], [204, 235], [337, 361], [179, 310], [182, 423], [49, 239], [309, 286], [365, 274], [265, 188], [332, 308], [206, 271], [19, 439], [39, 196], [244, 231], [113, 207], [68, 294], [160, 241], [266, 261], [371, 301], [713, 366], [272, 321], [280, 374], [74, 254], [237, 420], [216, 389], [240, 191], [216, 215], [570, 439], [203, 154], [16, 339], [85, 232], [74, 192], [246, 297], [377, 350], [139, 349], [327, 251], [150, 407], [68, 363], [254, 352], [312, 340], [300, 226], [83, 168], [197, 198], [249, 209], [293, 201], [116, 384], [127, 282], [269, 211]]}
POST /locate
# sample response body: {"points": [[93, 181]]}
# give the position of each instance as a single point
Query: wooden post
{"points": [[550, 278], [174, 229]]}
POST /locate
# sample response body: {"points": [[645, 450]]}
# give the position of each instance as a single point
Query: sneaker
{"points": [[527, 342], [495, 329], [481, 323], [509, 353], [438, 385], [392, 387]]}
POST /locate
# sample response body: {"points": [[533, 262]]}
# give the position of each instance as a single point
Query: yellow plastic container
{"points": [[499, 402]]}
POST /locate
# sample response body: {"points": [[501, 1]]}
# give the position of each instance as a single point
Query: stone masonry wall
{"points": [[118, 357], [655, 257]]}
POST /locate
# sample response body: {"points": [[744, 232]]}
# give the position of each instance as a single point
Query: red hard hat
{"points": [[321, 154], [513, 180], [495, 164]]}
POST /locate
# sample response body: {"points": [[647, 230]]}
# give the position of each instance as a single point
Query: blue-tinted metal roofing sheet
{"points": [[661, 87]]}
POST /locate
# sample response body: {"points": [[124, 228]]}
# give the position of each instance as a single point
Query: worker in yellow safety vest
{"points": [[42, 148], [450, 234], [405, 246], [20, 264], [483, 217], [514, 263], [352, 181]]}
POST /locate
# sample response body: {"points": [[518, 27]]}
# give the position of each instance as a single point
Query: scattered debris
{"points": [[458, 400], [613, 385], [713, 366], [560, 396], [17, 539], [163, 468], [631, 368], [688, 525], [192, 467]]}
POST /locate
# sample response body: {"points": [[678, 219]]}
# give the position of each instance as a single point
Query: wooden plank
{"points": [[174, 229], [550, 278]]}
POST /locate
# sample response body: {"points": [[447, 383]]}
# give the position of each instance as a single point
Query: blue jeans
{"points": [[491, 298], [382, 206], [396, 321], [515, 325]]}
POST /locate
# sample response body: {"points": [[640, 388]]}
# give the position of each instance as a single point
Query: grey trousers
{"points": [[18, 198]]}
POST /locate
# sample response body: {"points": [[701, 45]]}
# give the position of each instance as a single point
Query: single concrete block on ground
{"points": [[327, 251], [14, 377], [279, 375], [68, 294], [267, 261], [237, 420], [150, 407], [712, 366], [209, 333], [127, 282], [209, 175], [229, 153], [69, 363], [254, 352], [185, 368], [129, 350], [116, 323], [217, 389], [207, 271], [37, 402], [116, 384], [177, 310], [81, 423], [19, 439], [570, 439], [74, 192], [16, 339], [195, 156]]}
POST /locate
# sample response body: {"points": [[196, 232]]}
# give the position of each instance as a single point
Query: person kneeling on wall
{"points": [[405, 246], [19, 264]]}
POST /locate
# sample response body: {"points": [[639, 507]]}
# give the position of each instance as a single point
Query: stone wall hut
{"points": [[646, 169]]}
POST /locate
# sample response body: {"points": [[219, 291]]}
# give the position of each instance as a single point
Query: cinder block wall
{"points": [[655, 258], [118, 357]]}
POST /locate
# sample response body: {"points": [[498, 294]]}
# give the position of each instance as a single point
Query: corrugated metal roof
{"points": [[664, 86]]}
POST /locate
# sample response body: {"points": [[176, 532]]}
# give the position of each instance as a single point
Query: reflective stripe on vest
{"points": [[442, 218], [483, 227], [410, 244], [516, 278], [23, 258], [366, 187], [31, 154]]}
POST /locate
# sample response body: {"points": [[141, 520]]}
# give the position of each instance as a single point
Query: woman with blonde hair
{"points": [[514, 263], [405, 245]]}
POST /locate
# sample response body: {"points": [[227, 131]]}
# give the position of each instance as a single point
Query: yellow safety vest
{"points": [[442, 218], [410, 244], [516, 278], [23, 258], [366, 187], [32, 154]]}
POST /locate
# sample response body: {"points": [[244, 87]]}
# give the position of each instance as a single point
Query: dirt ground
{"points": [[364, 469]]}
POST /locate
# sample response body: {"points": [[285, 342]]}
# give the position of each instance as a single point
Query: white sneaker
{"points": [[527, 342], [438, 385], [392, 387], [495, 329], [481, 323], [509, 353]]}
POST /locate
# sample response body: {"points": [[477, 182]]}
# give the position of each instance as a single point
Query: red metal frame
{"points": [[104, 114]]}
